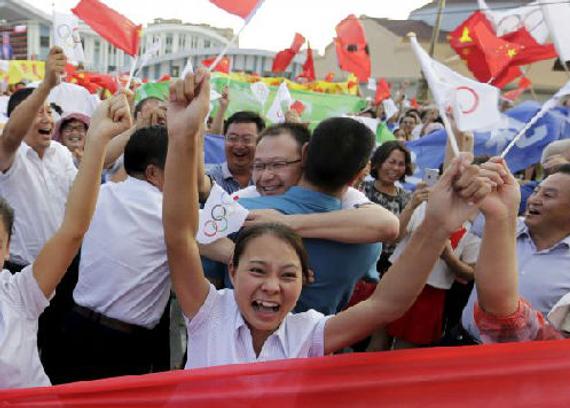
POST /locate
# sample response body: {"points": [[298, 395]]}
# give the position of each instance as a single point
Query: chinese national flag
{"points": [[382, 91], [284, 58], [352, 49], [242, 8], [111, 25], [309, 66], [223, 66], [532, 51], [524, 84]]}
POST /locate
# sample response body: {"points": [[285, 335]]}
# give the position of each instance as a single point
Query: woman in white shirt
{"points": [[253, 322]]}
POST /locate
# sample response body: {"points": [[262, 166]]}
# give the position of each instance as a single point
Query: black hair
{"points": [[145, 147], [140, 105], [245, 117], [17, 98], [384, 151], [56, 108], [337, 151], [67, 121], [7, 215], [298, 131], [280, 231], [564, 169]]}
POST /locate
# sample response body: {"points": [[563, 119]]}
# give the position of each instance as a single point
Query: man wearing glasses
{"points": [[241, 131]]}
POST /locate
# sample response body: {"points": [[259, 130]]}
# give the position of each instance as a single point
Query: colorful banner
{"points": [[532, 374], [22, 70]]}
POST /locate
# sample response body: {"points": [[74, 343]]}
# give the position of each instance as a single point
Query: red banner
{"points": [[506, 375]]}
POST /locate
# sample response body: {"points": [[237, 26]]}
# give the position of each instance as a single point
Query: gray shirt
{"points": [[220, 173], [544, 276]]}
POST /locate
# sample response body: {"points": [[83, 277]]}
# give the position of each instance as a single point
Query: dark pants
{"points": [[92, 348], [457, 336]]}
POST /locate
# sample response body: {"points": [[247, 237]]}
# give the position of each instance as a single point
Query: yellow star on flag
{"points": [[511, 52], [465, 36]]}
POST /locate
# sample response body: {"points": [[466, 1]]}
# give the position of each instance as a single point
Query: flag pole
{"points": [[526, 127], [235, 37], [132, 71]]}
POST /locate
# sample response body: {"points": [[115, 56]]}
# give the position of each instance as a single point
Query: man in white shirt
{"points": [[123, 286]]}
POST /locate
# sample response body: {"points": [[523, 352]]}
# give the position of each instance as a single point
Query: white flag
{"points": [[281, 103], [370, 123], [66, 36], [557, 16], [390, 108], [221, 216], [474, 104], [528, 16], [260, 91], [151, 52], [372, 84]]}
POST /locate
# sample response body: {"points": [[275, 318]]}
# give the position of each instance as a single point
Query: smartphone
{"points": [[431, 176]]}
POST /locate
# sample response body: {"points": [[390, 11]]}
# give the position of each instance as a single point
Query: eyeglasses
{"points": [[71, 129], [245, 139], [273, 166]]}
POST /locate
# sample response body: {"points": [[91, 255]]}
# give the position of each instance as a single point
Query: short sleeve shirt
{"points": [[220, 173]]}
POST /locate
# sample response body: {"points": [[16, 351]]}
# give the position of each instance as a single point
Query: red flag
{"points": [[329, 77], [513, 95], [532, 51], [382, 91], [223, 65], [352, 49], [283, 58], [242, 8], [111, 25], [309, 66]]}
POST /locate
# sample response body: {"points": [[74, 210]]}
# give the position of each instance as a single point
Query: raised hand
{"points": [[225, 99], [188, 105], [111, 118], [420, 195], [455, 197], [504, 201], [55, 67]]}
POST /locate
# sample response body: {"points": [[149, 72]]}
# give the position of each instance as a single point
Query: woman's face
{"points": [[267, 283], [393, 168], [73, 135]]}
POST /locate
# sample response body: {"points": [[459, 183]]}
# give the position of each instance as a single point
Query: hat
{"points": [[67, 118]]}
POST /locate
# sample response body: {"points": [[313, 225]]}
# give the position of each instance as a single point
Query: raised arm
{"points": [[449, 206], [367, 224], [110, 119], [20, 120], [217, 127], [420, 195], [496, 270], [188, 107]]}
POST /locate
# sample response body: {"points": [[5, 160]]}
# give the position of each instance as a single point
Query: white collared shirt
{"points": [[123, 272], [218, 335], [37, 190], [21, 303]]}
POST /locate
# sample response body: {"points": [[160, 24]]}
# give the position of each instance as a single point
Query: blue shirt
{"points": [[544, 276], [220, 173], [337, 266]]}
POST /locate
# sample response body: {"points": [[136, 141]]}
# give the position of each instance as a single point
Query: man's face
{"points": [[277, 164], [153, 112], [408, 124], [548, 207], [240, 145], [39, 134], [73, 134]]}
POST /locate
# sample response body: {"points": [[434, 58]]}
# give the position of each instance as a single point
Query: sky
{"points": [[272, 28]]}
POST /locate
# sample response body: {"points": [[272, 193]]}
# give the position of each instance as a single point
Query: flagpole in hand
{"points": [[235, 37], [132, 71]]}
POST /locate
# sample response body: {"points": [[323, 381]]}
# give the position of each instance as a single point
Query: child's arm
{"points": [[22, 118], [448, 207], [111, 118], [188, 107]]}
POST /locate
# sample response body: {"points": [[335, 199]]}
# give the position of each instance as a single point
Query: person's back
{"points": [[338, 151]]}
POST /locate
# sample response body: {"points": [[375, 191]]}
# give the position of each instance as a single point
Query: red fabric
{"points": [[298, 107], [242, 8], [309, 66], [329, 77], [223, 65], [111, 25], [514, 94], [352, 49], [382, 91], [362, 291], [423, 322], [532, 374], [456, 237], [531, 50], [283, 58]]}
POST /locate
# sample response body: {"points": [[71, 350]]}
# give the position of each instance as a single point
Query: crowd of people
{"points": [[335, 256]]}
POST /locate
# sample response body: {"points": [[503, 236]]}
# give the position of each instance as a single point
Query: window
{"points": [[207, 43], [168, 48], [194, 42], [44, 42]]}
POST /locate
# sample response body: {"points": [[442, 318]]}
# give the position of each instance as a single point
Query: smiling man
{"points": [[543, 248], [241, 132], [36, 173]]}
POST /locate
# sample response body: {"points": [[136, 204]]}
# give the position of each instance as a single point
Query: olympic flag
{"points": [[221, 216], [475, 105], [66, 36]]}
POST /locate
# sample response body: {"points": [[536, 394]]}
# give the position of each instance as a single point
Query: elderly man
{"points": [[543, 250]]}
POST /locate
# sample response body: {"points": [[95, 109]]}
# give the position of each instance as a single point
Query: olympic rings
{"points": [[218, 222], [475, 97]]}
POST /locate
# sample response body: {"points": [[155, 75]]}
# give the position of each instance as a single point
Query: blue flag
{"points": [[214, 149]]}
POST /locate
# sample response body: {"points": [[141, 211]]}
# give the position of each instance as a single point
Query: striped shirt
{"points": [[220, 173]]}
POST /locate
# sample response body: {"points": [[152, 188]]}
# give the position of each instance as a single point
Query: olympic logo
{"points": [[218, 221], [68, 34], [467, 93], [512, 22]]}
